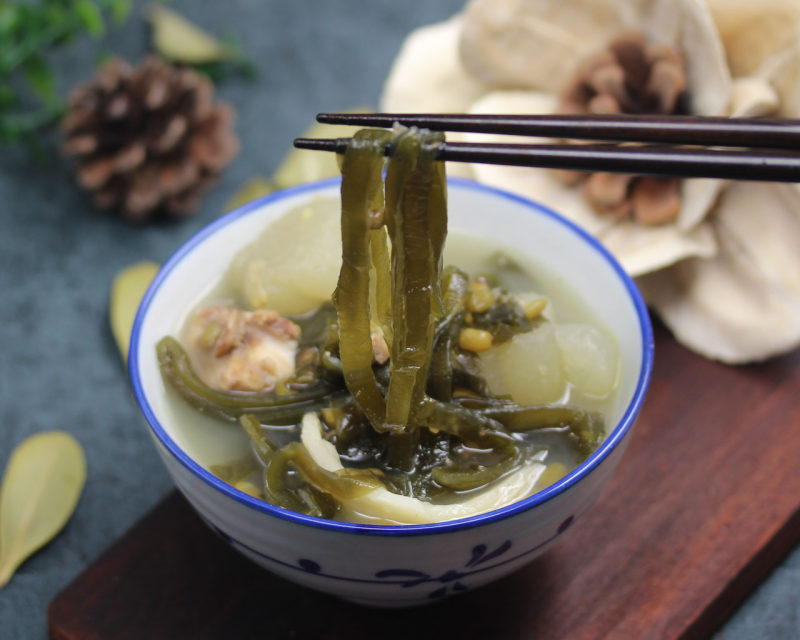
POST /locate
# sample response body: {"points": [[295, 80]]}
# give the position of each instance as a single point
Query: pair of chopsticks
{"points": [[682, 146]]}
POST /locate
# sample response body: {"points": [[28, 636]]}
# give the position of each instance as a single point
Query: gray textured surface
{"points": [[59, 367]]}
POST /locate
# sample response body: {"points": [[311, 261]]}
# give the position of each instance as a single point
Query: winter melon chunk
{"points": [[294, 264]]}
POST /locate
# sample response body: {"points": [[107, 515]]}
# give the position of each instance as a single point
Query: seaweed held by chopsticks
{"points": [[422, 424]]}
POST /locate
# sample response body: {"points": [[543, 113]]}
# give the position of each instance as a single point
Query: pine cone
{"points": [[148, 140], [630, 77]]}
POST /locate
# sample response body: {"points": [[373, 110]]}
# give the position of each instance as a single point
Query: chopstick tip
{"points": [[321, 144], [305, 143]]}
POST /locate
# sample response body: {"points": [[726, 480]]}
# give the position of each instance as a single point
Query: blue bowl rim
{"points": [[554, 490]]}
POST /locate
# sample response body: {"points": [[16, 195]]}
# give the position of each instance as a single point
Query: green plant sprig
{"points": [[29, 31]]}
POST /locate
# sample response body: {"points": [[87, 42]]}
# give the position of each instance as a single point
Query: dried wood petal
{"points": [[106, 198], [532, 183], [156, 94], [223, 150], [515, 44], [118, 107], [202, 94], [610, 79], [93, 175], [783, 74], [223, 116], [643, 249], [174, 131], [753, 97], [604, 103], [112, 74], [661, 52], [190, 80], [82, 97], [575, 96], [656, 200], [567, 177], [755, 32], [595, 62], [77, 118], [211, 147], [142, 197], [667, 82], [185, 203], [79, 145], [174, 177], [742, 305], [619, 211], [607, 192], [414, 84], [40, 490], [130, 157], [629, 50]]}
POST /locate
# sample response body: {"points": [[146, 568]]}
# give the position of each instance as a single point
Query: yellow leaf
{"points": [[179, 40], [249, 191], [127, 290], [40, 490], [302, 165], [298, 165]]}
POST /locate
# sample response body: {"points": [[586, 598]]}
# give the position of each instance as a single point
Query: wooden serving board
{"points": [[704, 504]]}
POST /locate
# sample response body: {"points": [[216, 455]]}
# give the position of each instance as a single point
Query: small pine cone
{"points": [[148, 140], [629, 77]]}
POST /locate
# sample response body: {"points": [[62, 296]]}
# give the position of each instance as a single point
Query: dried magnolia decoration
{"points": [[633, 77], [717, 260]]}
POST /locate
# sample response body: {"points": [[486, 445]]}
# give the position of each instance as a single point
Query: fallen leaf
{"points": [[127, 290], [41, 486], [303, 165], [179, 40]]}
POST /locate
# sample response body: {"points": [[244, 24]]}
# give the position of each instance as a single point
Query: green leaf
{"points": [[40, 490], [120, 10], [9, 18], [19, 124], [90, 16], [8, 96], [30, 32], [39, 76], [127, 290]]}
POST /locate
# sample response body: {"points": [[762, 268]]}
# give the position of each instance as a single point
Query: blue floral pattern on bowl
{"points": [[451, 579]]}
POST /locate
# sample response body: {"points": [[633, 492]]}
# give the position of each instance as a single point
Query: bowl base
{"points": [[390, 604]]}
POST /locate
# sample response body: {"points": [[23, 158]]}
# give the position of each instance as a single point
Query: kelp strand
{"points": [[273, 409], [415, 221], [362, 179]]}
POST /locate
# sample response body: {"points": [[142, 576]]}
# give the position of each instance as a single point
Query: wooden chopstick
{"points": [[775, 133], [661, 160]]}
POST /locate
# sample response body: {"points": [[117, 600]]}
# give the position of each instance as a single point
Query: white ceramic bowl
{"points": [[397, 565]]}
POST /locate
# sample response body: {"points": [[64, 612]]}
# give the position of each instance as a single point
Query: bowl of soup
{"points": [[543, 342]]}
